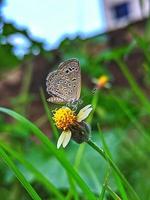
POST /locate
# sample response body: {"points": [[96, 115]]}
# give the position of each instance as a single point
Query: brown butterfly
{"points": [[64, 84]]}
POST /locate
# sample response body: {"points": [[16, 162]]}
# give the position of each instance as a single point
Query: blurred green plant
{"points": [[122, 112]]}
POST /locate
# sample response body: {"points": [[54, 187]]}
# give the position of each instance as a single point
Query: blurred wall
{"points": [[120, 13]]}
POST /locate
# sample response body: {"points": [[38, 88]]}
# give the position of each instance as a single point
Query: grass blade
{"points": [[52, 149], [132, 118], [48, 113], [19, 175], [118, 181], [115, 168], [112, 193], [135, 87], [102, 194], [39, 176]]}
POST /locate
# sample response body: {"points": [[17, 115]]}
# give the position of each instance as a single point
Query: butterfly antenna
{"points": [[93, 91]]}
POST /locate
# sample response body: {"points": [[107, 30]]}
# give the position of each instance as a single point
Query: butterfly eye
{"points": [[67, 71]]}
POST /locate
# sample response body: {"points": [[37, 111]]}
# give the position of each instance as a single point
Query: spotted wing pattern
{"points": [[64, 84]]}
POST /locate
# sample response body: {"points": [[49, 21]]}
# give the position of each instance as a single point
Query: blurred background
{"points": [[111, 39]]}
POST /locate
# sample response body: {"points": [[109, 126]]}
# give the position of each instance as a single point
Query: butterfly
{"points": [[64, 84]]}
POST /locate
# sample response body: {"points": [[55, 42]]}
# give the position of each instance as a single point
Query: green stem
{"points": [[39, 176], [89, 120], [114, 167], [48, 145], [82, 146], [49, 114], [94, 105], [102, 194], [19, 175], [112, 193], [131, 117], [135, 87], [79, 156], [118, 180]]}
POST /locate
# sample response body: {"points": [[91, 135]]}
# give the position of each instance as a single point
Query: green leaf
{"points": [[39, 176], [52, 149], [19, 175]]}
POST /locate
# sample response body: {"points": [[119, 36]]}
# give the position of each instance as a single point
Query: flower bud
{"points": [[81, 132]]}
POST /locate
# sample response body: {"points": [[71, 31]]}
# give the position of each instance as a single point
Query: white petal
{"points": [[67, 138], [85, 108], [61, 139], [84, 113]]}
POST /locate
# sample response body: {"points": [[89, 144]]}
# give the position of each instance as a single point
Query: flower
{"points": [[102, 81], [72, 124]]}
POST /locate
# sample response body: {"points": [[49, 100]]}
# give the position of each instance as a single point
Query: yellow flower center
{"points": [[64, 117], [102, 81]]}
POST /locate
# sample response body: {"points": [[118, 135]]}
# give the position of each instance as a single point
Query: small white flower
{"points": [[64, 139], [84, 113], [69, 118]]}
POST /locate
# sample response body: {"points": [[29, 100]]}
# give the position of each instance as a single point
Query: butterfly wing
{"points": [[50, 87], [72, 73], [65, 84]]}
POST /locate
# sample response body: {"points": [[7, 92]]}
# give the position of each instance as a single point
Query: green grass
{"points": [[39, 176], [116, 165], [61, 157], [19, 175], [52, 149]]}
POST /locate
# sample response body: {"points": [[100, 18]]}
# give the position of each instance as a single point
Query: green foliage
{"points": [[117, 166]]}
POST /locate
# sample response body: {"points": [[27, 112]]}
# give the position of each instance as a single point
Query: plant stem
{"points": [[135, 87], [48, 113], [112, 193], [19, 175], [48, 145], [114, 166], [117, 178], [131, 117], [102, 194], [39, 176], [94, 104]]}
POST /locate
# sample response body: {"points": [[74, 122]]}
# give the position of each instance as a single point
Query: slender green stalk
{"points": [[117, 178], [82, 146], [23, 97], [135, 87], [27, 79], [49, 115], [79, 156], [92, 174], [39, 176], [55, 131], [89, 120], [132, 118], [73, 191], [102, 194], [108, 188], [112, 193], [19, 175], [94, 105], [52, 149], [115, 168], [142, 43], [41, 121]]}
